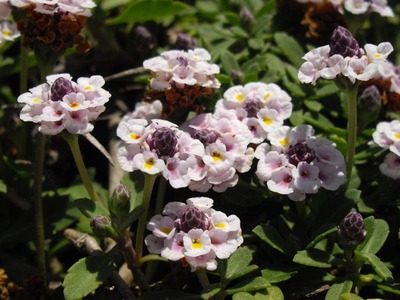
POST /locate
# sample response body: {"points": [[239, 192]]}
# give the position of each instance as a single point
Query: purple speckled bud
{"points": [[164, 142], [185, 42], [60, 88], [343, 43], [252, 108], [351, 230], [206, 136], [102, 226], [120, 201], [192, 218], [300, 152], [370, 98]]}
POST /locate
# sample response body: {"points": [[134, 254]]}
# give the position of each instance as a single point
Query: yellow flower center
{"points": [[220, 225], [216, 156], [88, 88], [36, 99], [267, 121], [165, 230], [397, 136], [378, 55], [149, 163], [74, 105], [6, 32], [134, 136], [283, 142], [267, 95], [239, 97], [197, 244]]}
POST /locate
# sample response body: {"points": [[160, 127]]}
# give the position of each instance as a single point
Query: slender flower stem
{"points": [[72, 140], [149, 181], [38, 206], [351, 93], [203, 278], [162, 185]]}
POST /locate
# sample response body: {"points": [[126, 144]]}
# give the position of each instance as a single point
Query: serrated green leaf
{"points": [[229, 62], [86, 275], [379, 267], [238, 263], [91, 208], [377, 232], [250, 285], [290, 47], [131, 217], [316, 258], [272, 237], [338, 289], [149, 10]]}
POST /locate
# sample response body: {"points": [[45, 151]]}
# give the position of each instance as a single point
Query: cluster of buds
{"points": [[343, 58], [8, 29], [358, 7], [64, 104], [56, 23], [387, 136], [179, 77], [298, 163], [158, 147], [194, 233], [351, 231]]}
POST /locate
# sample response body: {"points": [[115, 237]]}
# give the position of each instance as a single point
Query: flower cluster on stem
{"points": [[194, 233]]}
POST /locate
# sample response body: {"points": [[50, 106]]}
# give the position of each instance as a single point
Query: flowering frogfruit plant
{"points": [[64, 104], [344, 58], [298, 163], [351, 230], [387, 136], [194, 233]]}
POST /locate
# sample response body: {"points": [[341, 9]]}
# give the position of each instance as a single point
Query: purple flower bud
{"points": [[101, 226], [246, 17], [343, 43], [206, 136], [183, 62], [252, 108], [60, 88], [185, 42], [192, 218], [163, 142], [120, 201], [370, 98], [351, 230], [300, 152]]}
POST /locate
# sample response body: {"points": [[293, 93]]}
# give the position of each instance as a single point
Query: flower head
{"points": [[195, 233], [352, 229]]}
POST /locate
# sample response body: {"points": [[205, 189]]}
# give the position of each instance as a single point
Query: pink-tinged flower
{"points": [[62, 104], [195, 233], [145, 110], [344, 58], [391, 166], [299, 163], [387, 136]]}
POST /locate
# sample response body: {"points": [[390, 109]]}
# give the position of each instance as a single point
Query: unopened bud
{"points": [[343, 43], [61, 87], [206, 136], [192, 218], [102, 227], [120, 202], [246, 17], [369, 106], [351, 230], [185, 42], [164, 141]]}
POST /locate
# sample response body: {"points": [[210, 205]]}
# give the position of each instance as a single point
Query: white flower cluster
{"points": [[194, 233], [358, 7], [387, 136], [298, 163], [177, 68], [50, 7], [8, 28], [64, 104], [320, 63]]}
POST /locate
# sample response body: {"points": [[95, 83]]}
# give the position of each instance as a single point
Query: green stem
{"points": [[149, 181], [203, 278], [38, 206], [351, 94], [152, 258], [72, 140], [162, 185]]}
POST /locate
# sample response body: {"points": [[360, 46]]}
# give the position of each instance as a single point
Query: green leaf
{"points": [[272, 237], [134, 182], [338, 289], [3, 187], [379, 267], [325, 233], [229, 62], [377, 232], [91, 208], [250, 285], [131, 217], [313, 105], [271, 293], [238, 263], [149, 10], [279, 273], [290, 47], [350, 296], [326, 90], [316, 258], [86, 275], [393, 288], [211, 291]]}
